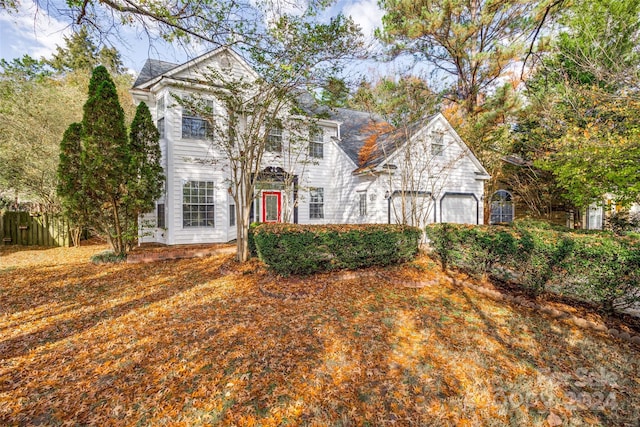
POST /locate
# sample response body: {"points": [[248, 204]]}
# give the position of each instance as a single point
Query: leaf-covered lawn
{"points": [[186, 343]]}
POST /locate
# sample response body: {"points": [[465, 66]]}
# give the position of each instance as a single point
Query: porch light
{"points": [[386, 194]]}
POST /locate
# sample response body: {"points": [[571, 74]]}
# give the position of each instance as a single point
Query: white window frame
{"points": [[362, 203], [198, 204], [195, 121], [316, 143], [160, 126], [160, 107], [274, 139], [437, 143], [316, 203], [232, 215]]}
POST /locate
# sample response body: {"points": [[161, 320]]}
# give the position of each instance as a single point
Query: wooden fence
{"points": [[23, 228]]}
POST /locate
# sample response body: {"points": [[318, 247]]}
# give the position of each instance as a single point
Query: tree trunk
{"points": [[75, 233], [119, 248], [242, 239]]}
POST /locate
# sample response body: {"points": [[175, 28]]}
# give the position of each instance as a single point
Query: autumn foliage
{"points": [[373, 131], [195, 342]]}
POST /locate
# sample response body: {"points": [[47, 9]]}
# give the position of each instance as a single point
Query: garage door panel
{"points": [[412, 210], [459, 209]]}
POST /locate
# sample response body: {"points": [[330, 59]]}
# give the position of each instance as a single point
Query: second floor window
{"points": [[437, 144], [160, 106], [193, 125], [316, 144], [274, 139]]}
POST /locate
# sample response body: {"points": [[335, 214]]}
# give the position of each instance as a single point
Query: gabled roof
{"points": [[359, 128], [153, 71], [388, 142], [356, 127], [153, 68]]}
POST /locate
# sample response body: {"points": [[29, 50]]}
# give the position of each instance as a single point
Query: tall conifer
{"points": [[106, 179], [145, 185]]}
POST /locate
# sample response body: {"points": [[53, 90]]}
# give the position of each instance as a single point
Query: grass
{"points": [[179, 343]]}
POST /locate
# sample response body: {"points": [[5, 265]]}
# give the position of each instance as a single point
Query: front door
{"points": [[271, 206]]}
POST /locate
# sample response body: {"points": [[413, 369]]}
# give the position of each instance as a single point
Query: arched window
{"points": [[501, 207]]}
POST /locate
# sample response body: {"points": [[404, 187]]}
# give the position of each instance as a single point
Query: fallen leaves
{"points": [[196, 342]]}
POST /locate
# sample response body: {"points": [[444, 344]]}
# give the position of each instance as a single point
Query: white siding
{"points": [[198, 160]]}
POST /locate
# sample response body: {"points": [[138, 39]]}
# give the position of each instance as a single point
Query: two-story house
{"points": [[356, 168]]}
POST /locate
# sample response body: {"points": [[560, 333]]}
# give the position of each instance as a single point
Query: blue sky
{"points": [[32, 31]]}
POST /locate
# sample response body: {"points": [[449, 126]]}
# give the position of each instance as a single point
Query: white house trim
{"points": [[339, 172]]}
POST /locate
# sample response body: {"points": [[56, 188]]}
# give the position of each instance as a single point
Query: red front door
{"points": [[271, 206]]}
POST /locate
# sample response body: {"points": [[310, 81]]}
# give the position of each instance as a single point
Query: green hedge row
{"points": [[595, 267], [307, 249]]}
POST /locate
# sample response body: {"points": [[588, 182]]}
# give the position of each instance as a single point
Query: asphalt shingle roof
{"points": [[356, 125], [153, 68]]}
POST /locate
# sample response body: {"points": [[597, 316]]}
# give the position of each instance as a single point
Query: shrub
{"points": [[604, 270], [307, 249], [595, 267], [250, 239], [108, 257]]}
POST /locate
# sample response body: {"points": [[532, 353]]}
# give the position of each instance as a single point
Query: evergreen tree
{"points": [[81, 53], [582, 121], [105, 158], [70, 178], [473, 41], [106, 178], [100, 75], [147, 177]]}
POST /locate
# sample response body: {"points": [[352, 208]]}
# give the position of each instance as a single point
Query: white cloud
{"points": [[365, 13], [30, 31]]}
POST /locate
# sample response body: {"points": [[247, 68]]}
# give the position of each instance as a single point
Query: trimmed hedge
{"points": [[595, 267], [307, 249]]}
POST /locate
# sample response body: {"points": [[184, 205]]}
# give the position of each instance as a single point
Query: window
{"points": [[160, 218], [232, 215], [160, 115], [362, 202], [198, 208], [193, 125], [274, 139], [160, 106], [501, 207], [437, 144], [316, 144], [160, 126], [316, 203]]}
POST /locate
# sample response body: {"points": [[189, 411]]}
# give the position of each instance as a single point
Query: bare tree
{"points": [[247, 132], [418, 164]]}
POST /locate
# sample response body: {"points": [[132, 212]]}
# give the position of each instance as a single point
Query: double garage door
{"points": [[459, 209]]}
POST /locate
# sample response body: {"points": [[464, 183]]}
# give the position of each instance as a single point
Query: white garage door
{"points": [[412, 209], [459, 209]]}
